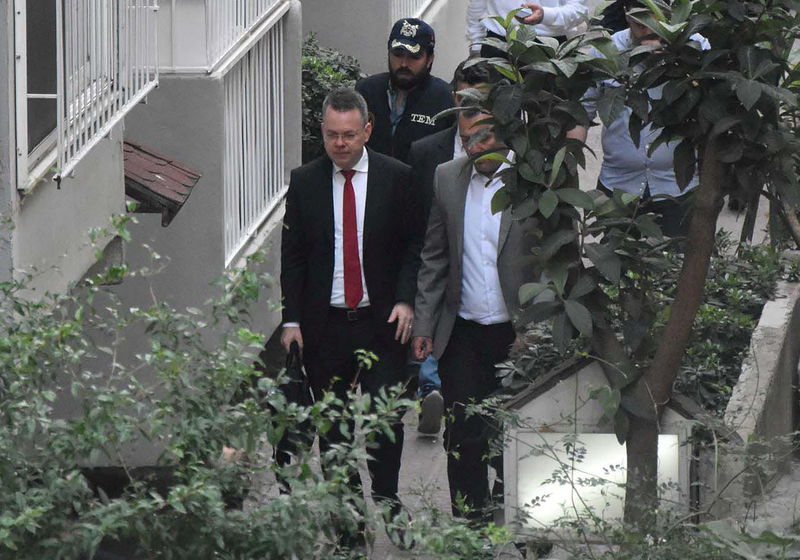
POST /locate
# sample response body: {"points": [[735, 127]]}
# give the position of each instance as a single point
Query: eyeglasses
{"points": [[347, 137]]}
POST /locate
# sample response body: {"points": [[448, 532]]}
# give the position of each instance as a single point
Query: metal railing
{"points": [[227, 21], [106, 63], [407, 8], [253, 159]]}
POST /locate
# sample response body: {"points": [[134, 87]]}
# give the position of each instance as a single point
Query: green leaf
{"points": [[567, 67], [525, 209], [610, 104], [559, 275], [500, 201], [685, 161], [655, 10], [605, 260], [579, 316], [562, 332], [748, 92], [585, 285], [528, 292], [576, 197], [553, 242], [557, 161], [723, 125], [547, 203], [681, 10]]}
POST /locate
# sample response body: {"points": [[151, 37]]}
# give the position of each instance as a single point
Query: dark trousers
{"points": [[331, 366], [467, 369]]}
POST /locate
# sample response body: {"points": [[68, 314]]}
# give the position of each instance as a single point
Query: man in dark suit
{"points": [[425, 155], [349, 256]]}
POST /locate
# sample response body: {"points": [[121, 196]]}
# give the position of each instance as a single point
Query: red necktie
{"points": [[353, 291]]}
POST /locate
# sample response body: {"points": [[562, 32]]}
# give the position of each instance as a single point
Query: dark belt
{"points": [[351, 315]]}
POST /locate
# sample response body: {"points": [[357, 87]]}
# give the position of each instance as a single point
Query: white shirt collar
{"points": [[361, 166]]}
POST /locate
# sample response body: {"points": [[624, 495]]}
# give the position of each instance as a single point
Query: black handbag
{"points": [[297, 389]]}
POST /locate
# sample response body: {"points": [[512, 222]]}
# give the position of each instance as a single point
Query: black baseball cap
{"points": [[413, 35]]}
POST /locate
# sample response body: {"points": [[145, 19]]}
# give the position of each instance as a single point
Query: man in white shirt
{"points": [[552, 18], [467, 294]]}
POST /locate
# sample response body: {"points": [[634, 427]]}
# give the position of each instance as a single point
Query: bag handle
{"points": [[293, 357]]}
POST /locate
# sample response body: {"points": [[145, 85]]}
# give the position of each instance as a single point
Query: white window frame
{"points": [[106, 63]]}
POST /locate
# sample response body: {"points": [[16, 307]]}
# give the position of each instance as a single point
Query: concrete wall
{"points": [[184, 119], [52, 224], [763, 400], [359, 28]]}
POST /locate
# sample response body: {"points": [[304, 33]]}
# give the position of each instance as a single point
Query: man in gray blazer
{"points": [[467, 295]]}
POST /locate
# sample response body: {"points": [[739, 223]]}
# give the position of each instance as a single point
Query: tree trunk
{"points": [[646, 399], [789, 217]]}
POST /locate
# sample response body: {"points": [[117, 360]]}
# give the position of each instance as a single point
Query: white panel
{"points": [[564, 485]]}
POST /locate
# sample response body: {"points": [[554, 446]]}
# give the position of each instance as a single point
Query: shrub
{"points": [[323, 70]]}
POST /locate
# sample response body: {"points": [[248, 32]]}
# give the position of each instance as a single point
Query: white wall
{"points": [[52, 224]]}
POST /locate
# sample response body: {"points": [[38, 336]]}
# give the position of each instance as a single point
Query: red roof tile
{"points": [[158, 182]]}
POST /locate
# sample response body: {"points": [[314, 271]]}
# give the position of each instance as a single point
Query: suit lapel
{"points": [[375, 184], [325, 175], [447, 144], [462, 187]]}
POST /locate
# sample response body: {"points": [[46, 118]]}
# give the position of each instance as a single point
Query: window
{"points": [[80, 66]]}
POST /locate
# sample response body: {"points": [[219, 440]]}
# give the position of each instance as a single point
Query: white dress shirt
{"points": [[359, 181], [360, 187], [458, 147], [626, 166], [481, 295], [560, 17]]}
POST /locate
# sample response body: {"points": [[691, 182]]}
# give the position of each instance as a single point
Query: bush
{"points": [[323, 70], [176, 392]]}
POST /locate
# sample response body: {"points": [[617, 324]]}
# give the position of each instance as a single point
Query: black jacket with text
{"points": [[423, 103]]}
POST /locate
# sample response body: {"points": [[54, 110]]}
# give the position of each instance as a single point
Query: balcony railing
{"points": [[253, 160], [88, 64], [106, 64], [407, 8], [227, 21]]}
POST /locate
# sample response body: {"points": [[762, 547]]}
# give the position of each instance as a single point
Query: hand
{"points": [[289, 335], [536, 17], [422, 347], [404, 315]]}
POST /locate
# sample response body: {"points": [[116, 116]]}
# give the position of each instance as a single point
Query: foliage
{"points": [[720, 106], [74, 395], [323, 70]]}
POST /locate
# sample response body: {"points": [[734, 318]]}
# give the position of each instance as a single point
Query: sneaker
{"points": [[430, 421]]}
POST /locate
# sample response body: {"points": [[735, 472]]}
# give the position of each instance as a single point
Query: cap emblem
{"points": [[409, 30]]}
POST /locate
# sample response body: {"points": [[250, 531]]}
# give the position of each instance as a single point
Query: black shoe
{"points": [[430, 420]]}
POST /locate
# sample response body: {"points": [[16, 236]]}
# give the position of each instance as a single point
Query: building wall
{"points": [[359, 28], [7, 171], [184, 119], [52, 224]]}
